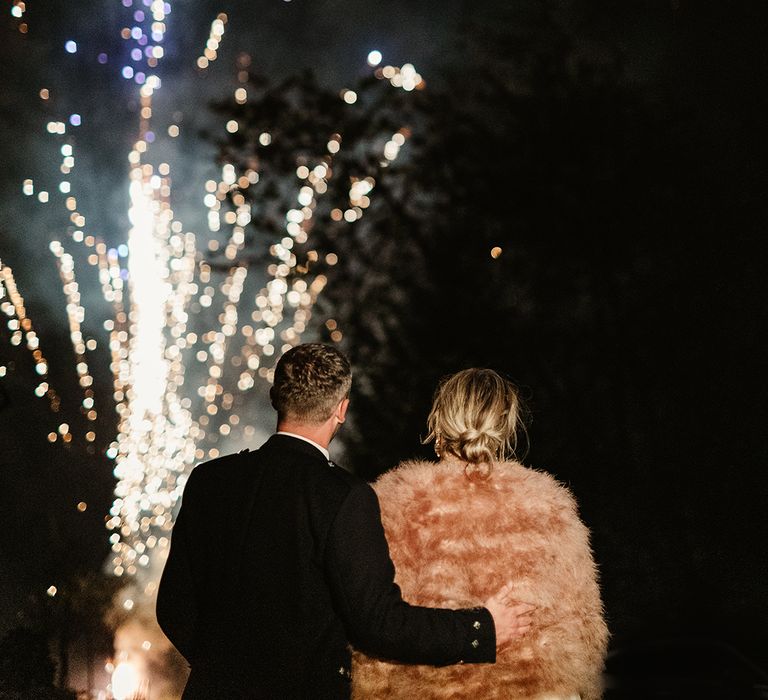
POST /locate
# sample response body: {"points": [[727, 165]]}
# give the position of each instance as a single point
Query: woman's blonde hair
{"points": [[475, 416]]}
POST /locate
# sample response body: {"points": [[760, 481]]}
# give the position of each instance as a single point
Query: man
{"points": [[278, 562]]}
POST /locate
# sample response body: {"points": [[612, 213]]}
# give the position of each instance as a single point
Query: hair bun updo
{"points": [[474, 416]]}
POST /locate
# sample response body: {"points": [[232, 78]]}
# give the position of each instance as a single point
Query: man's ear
{"points": [[272, 396], [341, 410]]}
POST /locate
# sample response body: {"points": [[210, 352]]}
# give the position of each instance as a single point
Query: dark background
{"points": [[615, 152]]}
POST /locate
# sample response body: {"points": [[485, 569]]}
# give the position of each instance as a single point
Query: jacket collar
{"points": [[322, 449], [294, 444]]}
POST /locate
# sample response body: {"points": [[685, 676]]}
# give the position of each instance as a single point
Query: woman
{"points": [[460, 529]]}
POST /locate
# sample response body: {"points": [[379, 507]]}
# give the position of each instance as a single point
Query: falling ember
{"points": [[18, 8], [374, 58]]}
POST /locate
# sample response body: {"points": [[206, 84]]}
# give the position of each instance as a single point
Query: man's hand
{"points": [[512, 618]]}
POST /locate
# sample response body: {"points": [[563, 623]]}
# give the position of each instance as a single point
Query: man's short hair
{"points": [[310, 381]]}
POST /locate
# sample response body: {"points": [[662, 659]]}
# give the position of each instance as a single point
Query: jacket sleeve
{"points": [[378, 621], [177, 605]]}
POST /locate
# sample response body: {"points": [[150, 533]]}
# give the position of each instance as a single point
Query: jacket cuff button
{"points": [[476, 624], [475, 643]]}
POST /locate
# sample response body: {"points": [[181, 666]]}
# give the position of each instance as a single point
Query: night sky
{"points": [[659, 426]]}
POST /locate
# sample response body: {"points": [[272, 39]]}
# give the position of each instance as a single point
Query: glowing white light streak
{"points": [[155, 445], [126, 681], [149, 293]]}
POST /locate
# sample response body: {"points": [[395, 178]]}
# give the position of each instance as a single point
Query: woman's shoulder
{"points": [[510, 478]]}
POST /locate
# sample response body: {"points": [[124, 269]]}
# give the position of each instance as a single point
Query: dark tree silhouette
{"points": [[26, 669], [45, 538]]}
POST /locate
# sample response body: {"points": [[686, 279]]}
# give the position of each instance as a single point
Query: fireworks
{"points": [[177, 310], [154, 281]]}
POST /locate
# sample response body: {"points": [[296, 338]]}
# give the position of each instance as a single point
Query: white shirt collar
{"points": [[306, 439]]}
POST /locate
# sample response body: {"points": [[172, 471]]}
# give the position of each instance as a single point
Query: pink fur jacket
{"points": [[456, 542]]}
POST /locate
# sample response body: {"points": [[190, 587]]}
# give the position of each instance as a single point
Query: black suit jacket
{"points": [[278, 561]]}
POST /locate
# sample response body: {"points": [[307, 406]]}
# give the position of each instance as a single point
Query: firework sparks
{"points": [[150, 343], [20, 325], [210, 53], [153, 282]]}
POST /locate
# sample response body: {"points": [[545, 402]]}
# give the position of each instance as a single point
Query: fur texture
{"points": [[455, 543]]}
